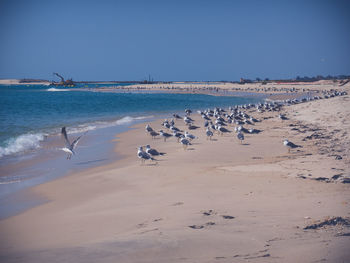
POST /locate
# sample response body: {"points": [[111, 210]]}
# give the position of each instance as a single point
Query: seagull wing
{"points": [[75, 142], [65, 137]]}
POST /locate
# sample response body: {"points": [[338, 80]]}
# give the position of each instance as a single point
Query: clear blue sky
{"points": [[174, 40]]}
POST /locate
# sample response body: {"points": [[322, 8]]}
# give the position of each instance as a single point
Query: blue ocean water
{"points": [[29, 113]]}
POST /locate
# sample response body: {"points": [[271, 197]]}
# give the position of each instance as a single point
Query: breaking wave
{"points": [[22, 143]]}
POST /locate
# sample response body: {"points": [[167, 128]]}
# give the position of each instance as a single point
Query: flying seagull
{"points": [[69, 146]]}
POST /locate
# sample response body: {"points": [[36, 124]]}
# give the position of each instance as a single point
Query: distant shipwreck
{"points": [[68, 82]]}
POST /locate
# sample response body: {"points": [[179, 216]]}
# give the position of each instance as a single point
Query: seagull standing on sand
{"points": [[143, 155], [209, 133], [184, 142], [153, 134], [152, 152], [189, 136], [69, 146], [148, 128], [282, 117], [240, 136], [290, 145], [164, 135], [222, 130]]}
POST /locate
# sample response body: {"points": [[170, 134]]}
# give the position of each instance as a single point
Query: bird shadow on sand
{"points": [[150, 164], [92, 161], [190, 149]]}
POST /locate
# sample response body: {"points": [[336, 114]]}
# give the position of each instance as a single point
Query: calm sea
{"points": [[29, 113]]}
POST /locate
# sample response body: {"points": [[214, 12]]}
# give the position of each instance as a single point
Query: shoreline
{"points": [[127, 209]]}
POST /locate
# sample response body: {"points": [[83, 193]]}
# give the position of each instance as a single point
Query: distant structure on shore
{"points": [[68, 82]]}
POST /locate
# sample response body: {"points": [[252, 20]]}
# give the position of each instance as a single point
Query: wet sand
{"points": [[217, 201]]}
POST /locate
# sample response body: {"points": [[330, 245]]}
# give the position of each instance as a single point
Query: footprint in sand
{"points": [[202, 226], [209, 212]]}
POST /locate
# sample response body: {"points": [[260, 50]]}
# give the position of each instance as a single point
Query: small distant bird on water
{"points": [[290, 145], [69, 146]]}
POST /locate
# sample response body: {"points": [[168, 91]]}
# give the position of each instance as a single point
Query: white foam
{"points": [[105, 124], [22, 143], [54, 89]]}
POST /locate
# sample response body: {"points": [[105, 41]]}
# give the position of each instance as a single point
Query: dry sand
{"points": [[217, 201]]}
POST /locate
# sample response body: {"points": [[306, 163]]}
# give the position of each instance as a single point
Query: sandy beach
{"points": [[217, 201]]}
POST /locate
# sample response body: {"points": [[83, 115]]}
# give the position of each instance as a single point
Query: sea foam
{"points": [[54, 89], [104, 124], [22, 143]]}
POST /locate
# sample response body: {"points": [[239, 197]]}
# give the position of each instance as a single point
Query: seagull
{"points": [[176, 116], [187, 120], [189, 136], [290, 145], [152, 152], [188, 112], [174, 129], [222, 130], [164, 135], [282, 117], [240, 136], [148, 128], [143, 155], [254, 131], [209, 133], [192, 127], [69, 146], [184, 142], [166, 124], [153, 134], [177, 135]]}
